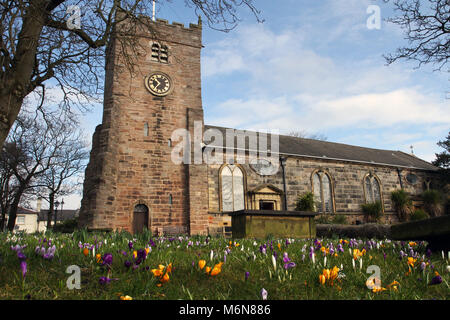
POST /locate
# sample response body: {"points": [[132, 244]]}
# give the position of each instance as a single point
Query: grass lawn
{"points": [[115, 265]]}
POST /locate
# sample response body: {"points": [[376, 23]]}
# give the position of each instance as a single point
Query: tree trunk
{"points": [[50, 210], [17, 84], [13, 209]]}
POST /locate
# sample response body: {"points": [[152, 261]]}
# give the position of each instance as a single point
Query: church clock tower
{"points": [[131, 181]]}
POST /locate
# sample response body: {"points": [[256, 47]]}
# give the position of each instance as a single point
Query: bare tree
{"points": [[27, 153], [70, 160], [38, 44], [40, 154], [427, 28], [306, 135]]}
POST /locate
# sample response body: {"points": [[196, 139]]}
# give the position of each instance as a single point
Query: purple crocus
{"points": [[130, 244], [286, 258], [23, 267], [127, 264], [289, 265], [107, 259], [436, 280], [104, 280], [247, 274]]}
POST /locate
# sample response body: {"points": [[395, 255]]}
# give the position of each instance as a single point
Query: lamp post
{"points": [[56, 209]]}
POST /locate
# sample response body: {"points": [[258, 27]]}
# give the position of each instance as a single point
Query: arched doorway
{"points": [[140, 218]]}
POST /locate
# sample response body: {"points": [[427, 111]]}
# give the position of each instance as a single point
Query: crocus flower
{"points": [[127, 264], [437, 279], [126, 298], [217, 269], [247, 274], [23, 267], [289, 265], [201, 264], [85, 252], [130, 244], [107, 259], [264, 294], [104, 280]]}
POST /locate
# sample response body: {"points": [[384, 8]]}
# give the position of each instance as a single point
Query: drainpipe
{"points": [[283, 164], [400, 178]]}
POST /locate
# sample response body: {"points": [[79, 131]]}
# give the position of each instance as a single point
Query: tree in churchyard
{"points": [[443, 159], [62, 176], [306, 135], [34, 148], [426, 24], [62, 43], [26, 155]]}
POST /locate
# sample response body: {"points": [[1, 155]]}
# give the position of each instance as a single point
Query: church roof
{"points": [[325, 150]]}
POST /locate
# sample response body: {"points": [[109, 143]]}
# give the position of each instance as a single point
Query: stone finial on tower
{"points": [[199, 20]]}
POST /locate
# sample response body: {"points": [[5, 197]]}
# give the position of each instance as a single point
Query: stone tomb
{"points": [[279, 224]]}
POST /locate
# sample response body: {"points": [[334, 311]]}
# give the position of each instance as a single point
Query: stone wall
{"points": [[347, 180]]}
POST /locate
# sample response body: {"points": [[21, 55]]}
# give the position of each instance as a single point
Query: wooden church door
{"points": [[140, 218]]}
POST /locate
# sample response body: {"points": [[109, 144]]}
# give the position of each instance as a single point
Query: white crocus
{"points": [[313, 258], [274, 262], [353, 264], [211, 255]]}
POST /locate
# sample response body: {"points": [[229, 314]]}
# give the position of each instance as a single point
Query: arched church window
{"points": [[232, 188], [323, 192], [160, 53], [372, 188]]}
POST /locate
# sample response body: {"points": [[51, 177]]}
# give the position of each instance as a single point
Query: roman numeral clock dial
{"points": [[158, 83]]}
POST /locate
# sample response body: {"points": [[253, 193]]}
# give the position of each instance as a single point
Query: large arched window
{"points": [[372, 189], [323, 191], [232, 188]]}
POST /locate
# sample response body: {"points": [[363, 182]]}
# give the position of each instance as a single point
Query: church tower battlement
{"points": [[131, 181]]}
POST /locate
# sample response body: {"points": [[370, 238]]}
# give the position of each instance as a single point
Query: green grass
{"points": [[46, 279]]}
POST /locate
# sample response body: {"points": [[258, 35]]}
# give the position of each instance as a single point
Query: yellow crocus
{"points": [[165, 278], [322, 279], [201, 264], [217, 269], [156, 272], [411, 261], [207, 269], [85, 252], [126, 298]]}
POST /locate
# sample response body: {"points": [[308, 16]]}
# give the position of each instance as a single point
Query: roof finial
{"points": [[154, 9], [412, 149], [199, 20]]}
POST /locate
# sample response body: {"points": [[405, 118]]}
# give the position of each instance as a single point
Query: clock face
{"points": [[158, 83]]}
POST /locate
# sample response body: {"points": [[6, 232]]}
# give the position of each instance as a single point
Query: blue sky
{"points": [[315, 66]]}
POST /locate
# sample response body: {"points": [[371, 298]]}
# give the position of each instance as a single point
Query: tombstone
{"points": [[140, 218]]}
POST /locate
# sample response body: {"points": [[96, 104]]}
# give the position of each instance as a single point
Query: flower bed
{"points": [[120, 266]]}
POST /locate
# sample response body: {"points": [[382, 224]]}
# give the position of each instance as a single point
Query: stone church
{"points": [[132, 181]]}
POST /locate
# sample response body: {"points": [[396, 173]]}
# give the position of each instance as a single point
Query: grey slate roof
{"points": [[343, 152]]}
